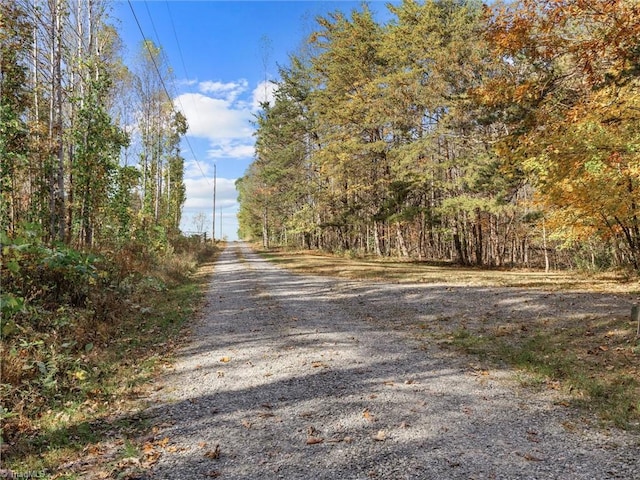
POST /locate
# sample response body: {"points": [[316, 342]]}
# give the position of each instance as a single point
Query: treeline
{"points": [[89, 148], [91, 191], [502, 135]]}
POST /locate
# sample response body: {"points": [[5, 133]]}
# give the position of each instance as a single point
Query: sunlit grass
{"points": [[595, 363], [405, 271]]}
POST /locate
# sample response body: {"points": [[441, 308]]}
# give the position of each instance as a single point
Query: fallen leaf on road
{"points": [[367, 415], [529, 457], [381, 436], [225, 359], [314, 440], [213, 454]]}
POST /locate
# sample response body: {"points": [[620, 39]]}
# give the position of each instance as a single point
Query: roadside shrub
{"points": [[65, 311]]}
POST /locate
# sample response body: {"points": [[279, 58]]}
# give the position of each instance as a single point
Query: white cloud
{"points": [[214, 118], [264, 92], [186, 82], [228, 91], [193, 169], [223, 113], [231, 149], [200, 193]]}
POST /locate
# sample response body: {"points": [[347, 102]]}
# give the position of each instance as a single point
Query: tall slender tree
{"points": [[15, 100]]}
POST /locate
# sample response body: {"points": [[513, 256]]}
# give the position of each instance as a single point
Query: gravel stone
{"points": [[301, 377]]}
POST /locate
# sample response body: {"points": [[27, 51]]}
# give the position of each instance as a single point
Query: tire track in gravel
{"points": [[297, 377]]}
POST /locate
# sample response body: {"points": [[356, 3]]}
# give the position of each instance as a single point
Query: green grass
{"points": [[552, 361]]}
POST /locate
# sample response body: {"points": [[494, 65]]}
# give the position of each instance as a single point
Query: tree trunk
{"points": [[478, 239], [544, 246], [265, 228], [401, 243], [376, 239]]}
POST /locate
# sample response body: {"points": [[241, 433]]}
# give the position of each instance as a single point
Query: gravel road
{"points": [[299, 377]]}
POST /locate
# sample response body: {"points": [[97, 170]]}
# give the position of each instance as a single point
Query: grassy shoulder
{"points": [[414, 271], [74, 378], [593, 363]]}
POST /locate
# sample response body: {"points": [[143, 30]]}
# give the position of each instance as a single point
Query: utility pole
{"points": [[213, 223]]}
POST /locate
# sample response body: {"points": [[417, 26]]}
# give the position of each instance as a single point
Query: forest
{"points": [[92, 189], [90, 148], [501, 135]]}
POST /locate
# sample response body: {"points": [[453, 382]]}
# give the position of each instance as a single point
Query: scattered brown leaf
{"points": [[366, 414], [381, 436], [530, 457], [213, 454], [147, 448]]}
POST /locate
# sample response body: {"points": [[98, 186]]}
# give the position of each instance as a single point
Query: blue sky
{"points": [[221, 52]]}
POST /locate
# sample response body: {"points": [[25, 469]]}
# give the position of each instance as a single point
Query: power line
{"points": [[166, 59], [184, 67], [153, 26], [175, 34], [164, 86]]}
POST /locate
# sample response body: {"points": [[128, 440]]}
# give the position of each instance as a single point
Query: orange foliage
{"points": [[574, 67]]}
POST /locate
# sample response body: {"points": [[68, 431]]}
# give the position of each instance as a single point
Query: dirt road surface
{"points": [[299, 377]]}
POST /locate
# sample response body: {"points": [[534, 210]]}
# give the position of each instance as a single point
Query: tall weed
{"points": [[67, 314]]}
